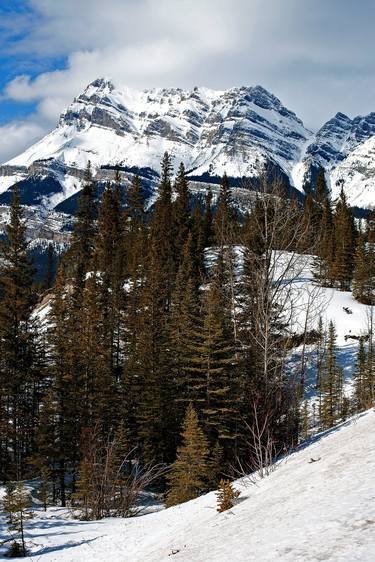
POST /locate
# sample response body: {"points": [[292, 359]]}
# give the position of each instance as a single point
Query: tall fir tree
{"points": [[344, 232], [181, 212], [83, 238], [189, 473], [332, 383], [18, 379]]}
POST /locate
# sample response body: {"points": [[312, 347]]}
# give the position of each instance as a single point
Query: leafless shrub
{"points": [[112, 482]]}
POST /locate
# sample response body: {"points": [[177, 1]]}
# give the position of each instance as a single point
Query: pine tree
{"points": [[323, 262], [82, 243], [188, 476], [359, 378], [208, 220], [17, 505], [18, 379], [212, 384], [226, 495], [344, 232], [360, 270], [224, 214], [332, 383], [181, 212]]}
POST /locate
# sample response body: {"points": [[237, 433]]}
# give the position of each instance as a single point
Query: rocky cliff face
{"points": [[240, 131], [244, 131], [341, 148]]}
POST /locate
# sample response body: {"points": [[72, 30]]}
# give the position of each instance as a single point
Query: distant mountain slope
{"points": [[244, 131]]}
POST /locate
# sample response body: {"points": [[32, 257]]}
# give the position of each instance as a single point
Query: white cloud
{"points": [[16, 136]]}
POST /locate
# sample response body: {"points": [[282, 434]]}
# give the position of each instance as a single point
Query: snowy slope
{"points": [[234, 130], [344, 147], [302, 512], [356, 173], [241, 131]]}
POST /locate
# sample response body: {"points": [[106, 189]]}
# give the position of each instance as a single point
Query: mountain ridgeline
{"points": [[245, 132]]}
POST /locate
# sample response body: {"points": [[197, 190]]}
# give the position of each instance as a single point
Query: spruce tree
{"points": [[18, 379], [223, 220], [17, 505], [66, 390], [359, 378], [344, 232], [208, 220], [332, 383], [360, 270], [83, 238], [188, 476], [324, 247], [181, 211], [213, 388], [109, 261]]}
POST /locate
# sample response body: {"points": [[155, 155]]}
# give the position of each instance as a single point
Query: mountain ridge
{"points": [[244, 131]]}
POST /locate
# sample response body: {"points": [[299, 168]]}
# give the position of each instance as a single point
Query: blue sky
{"points": [[317, 56]]}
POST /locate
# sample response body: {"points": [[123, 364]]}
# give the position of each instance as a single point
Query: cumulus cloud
{"points": [[315, 55], [17, 136]]}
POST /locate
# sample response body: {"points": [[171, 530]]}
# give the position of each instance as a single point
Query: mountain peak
{"points": [[101, 84]]}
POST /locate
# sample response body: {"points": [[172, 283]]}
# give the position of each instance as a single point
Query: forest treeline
{"points": [[168, 336]]}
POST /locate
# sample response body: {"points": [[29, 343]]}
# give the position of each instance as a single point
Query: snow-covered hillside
{"points": [[304, 511]]}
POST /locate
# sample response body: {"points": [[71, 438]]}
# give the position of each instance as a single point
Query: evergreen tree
{"points": [[49, 277], [223, 221], [208, 220], [305, 420], [369, 383], [94, 360], [226, 495], [188, 476], [82, 243], [212, 381], [359, 377], [162, 236], [181, 212], [66, 403], [360, 270], [17, 505], [181, 325], [109, 260], [344, 232], [19, 383], [324, 248], [332, 383]]}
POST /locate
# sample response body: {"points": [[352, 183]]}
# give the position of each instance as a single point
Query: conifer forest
{"points": [[163, 361]]}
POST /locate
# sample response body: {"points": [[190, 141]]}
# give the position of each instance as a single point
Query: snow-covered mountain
{"points": [[343, 147], [244, 131]]}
